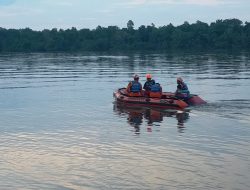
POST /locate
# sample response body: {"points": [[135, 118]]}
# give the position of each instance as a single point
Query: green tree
{"points": [[130, 25], [221, 34]]}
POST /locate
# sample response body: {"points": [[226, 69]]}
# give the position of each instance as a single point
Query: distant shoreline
{"points": [[221, 35]]}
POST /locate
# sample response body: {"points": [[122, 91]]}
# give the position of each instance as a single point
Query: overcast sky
{"points": [[41, 14]]}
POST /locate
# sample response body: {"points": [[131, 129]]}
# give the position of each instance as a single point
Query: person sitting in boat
{"points": [[182, 89], [155, 91], [148, 84], [134, 87]]}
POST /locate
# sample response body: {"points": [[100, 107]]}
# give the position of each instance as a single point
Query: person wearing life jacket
{"points": [[182, 89], [134, 87], [155, 91], [148, 84]]}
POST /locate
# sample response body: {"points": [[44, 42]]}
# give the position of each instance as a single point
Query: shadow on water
{"points": [[150, 117]]}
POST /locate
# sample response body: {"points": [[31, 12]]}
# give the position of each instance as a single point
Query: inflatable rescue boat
{"points": [[167, 100]]}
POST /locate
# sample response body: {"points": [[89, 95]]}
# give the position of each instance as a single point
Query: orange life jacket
{"points": [[155, 94], [135, 94]]}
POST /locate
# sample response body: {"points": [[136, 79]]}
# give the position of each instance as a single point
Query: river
{"points": [[61, 129]]}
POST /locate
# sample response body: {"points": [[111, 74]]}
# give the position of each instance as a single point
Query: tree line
{"points": [[221, 34]]}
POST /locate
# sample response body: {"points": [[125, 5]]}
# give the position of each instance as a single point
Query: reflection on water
{"points": [[59, 129], [151, 116]]}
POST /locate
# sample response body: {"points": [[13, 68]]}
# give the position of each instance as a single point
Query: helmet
{"points": [[179, 79], [148, 76], [136, 76]]}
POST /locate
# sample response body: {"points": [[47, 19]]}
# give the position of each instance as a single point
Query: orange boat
{"points": [[167, 100]]}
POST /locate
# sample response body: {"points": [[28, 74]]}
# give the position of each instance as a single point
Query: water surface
{"points": [[60, 128]]}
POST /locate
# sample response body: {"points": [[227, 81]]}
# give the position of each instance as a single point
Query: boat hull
{"points": [[167, 102], [193, 100]]}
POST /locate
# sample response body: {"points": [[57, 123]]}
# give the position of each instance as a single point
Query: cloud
{"points": [[88, 19], [66, 4], [6, 2], [60, 3], [179, 2], [106, 11], [17, 12], [208, 2]]}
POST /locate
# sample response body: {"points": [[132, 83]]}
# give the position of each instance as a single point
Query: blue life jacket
{"points": [[156, 88], [182, 89], [136, 87], [148, 84]]}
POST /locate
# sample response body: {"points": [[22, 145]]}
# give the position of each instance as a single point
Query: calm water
{"points": [[60, 129]]}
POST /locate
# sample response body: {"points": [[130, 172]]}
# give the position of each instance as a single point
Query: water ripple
{"points": [[60, 129]]}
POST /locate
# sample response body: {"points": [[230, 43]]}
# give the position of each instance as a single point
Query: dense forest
{"points": [[222, 34]]}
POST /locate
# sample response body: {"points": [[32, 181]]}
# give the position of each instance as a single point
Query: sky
{"points": [[63, 14]]}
